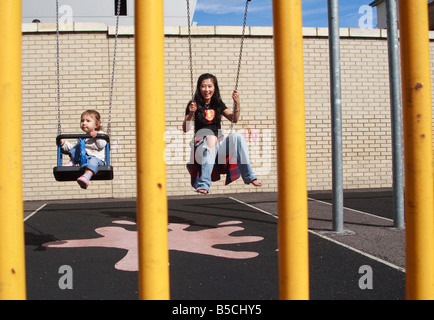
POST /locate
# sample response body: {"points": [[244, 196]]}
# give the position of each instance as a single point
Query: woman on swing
{"points": [[206, 109]]}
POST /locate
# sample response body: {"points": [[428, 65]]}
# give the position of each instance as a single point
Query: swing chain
{"points": [[59, 127], [242, 44], [112, 81], [239, 60], [190, 54]]}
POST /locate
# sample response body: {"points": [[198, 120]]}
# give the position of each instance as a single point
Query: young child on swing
{"points": [[206, 109], [90, 123]]}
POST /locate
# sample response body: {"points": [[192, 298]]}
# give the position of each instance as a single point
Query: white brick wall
{"points": [[86, 51]]}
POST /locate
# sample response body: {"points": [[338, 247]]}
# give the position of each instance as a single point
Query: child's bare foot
{"points": [[256, 183], [202, 191]]}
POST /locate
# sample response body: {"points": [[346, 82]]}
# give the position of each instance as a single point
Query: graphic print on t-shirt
{"points": [[209, 114]]}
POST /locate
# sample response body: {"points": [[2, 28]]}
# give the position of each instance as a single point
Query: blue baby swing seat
{"points": [[65, 173]]}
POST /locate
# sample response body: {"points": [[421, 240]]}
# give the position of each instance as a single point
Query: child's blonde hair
{"points": [[96, 116]]}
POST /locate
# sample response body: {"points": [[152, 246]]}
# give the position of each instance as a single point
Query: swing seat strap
{"points": [[83, 155]]}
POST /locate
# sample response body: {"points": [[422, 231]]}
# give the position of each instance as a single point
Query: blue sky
{"points": [[231, 12]]}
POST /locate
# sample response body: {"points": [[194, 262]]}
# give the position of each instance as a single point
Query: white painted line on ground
{"points": [[332, 240], [358, 211], [34, 212], [253, 207], [360, 252]]}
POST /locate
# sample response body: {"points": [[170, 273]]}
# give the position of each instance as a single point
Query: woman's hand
{"points": [[192, 107], [236, 97], [188, 121], [235, 114]]}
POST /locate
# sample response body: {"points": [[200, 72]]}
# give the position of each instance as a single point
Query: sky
{"points": [[352, 13]]}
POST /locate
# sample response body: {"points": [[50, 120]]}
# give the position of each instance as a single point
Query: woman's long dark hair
{"points": [[216, 100]]}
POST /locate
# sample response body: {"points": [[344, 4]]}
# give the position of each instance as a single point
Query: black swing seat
{"points": [[73, 173], [65, 173]]}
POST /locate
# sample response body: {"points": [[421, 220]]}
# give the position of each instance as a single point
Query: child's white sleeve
{"points": [[67, 146], [100, 143]]}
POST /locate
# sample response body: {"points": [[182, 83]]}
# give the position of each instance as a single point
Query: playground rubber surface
{"points": [[220, 248]]}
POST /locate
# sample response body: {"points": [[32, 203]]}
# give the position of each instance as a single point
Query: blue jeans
{"points": [[234, 145], [92, 163]]}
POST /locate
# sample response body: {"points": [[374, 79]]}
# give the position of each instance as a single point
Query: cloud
{"points": [[231, 6], [220, 6]]}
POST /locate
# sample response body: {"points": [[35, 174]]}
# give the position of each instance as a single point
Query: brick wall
{"points": [[85, 58]]}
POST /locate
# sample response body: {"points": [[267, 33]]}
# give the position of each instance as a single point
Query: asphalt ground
{"points": [[221, 247]]}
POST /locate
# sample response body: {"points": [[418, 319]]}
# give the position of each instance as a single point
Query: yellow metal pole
{"points": [[152, 218], [418, 158], [12, 262], [291, 151]]}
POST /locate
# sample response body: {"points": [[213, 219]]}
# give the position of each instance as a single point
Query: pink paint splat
{"points": [[200, 242]]}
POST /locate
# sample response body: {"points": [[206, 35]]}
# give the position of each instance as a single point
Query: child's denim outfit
{"points": [[93, 153]]}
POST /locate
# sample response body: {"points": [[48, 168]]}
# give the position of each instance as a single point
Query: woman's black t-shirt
{"points": [[210, 118]]}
